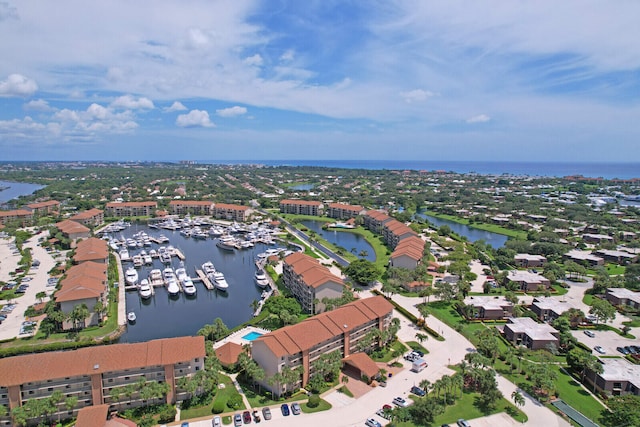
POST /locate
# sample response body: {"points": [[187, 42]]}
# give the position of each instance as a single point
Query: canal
{"points": [[351, 242], [473, 234], [162, 316]]}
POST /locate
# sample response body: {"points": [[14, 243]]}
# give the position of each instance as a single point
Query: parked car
{"points": [[246, 417], [418, 391], [295, 408], [399, 401], [217, 421], [599, 349], [185, 424], [237, 420], [623, 350], [256, 416], [266, 413], [372, 423], [285, 409], [635, 349], [384, 412], [589, 333], [463, 423]]}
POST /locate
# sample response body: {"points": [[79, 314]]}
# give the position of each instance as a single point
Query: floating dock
{"points": [[204, 279]]}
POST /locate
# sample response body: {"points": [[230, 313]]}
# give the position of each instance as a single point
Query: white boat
{"points": [[261, 278], [170, 281], [137, 261], [181, 274], [147, 259], [219, 281], [124, 254], [155, 277], [131, 316], [188, 286], [144, 289], [208, 268], [131, 276], [226, 243]]}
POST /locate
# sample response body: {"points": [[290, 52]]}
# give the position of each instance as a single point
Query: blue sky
{"points": [[364, 79]]}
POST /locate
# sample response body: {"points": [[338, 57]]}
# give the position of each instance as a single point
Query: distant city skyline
{"points": [[373, 80]]}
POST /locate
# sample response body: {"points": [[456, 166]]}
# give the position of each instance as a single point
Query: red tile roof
{"points": [[93, 416], [230, 207], [71, 227], [313, 274], [363, 363], [300, 202], [228, 353], [86, 214]]}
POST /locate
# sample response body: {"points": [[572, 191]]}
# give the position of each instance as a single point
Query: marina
{"points": [[174, 294]]}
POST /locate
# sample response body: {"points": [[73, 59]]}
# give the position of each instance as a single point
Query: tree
{"points": [[518, 398], [426, 410], [79, 315], [426, 294], [41, 296], [603, 310], [444, 290], [362, 271], [100, 309], [421, 337], [623, 411]]}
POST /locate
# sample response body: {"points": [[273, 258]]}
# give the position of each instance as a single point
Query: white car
{"points": [[217, 421], [372, 423], [399, 401]]}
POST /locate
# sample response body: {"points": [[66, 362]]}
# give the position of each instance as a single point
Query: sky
{"points": [[222, 80]]}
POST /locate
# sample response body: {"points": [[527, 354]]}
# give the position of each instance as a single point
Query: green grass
{"points": [[633, 323], [587, 299], [615, 269], [517, 234], [323, 406], [222, 394], [573, 394], [388, 354], [344, 390], [417, 346]]}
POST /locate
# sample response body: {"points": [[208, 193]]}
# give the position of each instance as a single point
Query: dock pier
{"points": [[204, 279]]}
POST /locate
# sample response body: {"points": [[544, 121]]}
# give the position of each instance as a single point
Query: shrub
{"points": [[314, 401], [235, 401], [218, 407]]}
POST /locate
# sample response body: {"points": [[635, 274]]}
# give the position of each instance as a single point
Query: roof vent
{"points": [[345, 326], [96, 366]]}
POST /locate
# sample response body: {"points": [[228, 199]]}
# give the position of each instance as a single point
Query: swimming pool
{"points": [[251, 336]]}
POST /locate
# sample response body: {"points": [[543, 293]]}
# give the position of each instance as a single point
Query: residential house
{"points": [[86, 284], [301, 207], [549, 309], [489, 307], [394, 231], [584, 258], [344, 330], [527, 332], [618, 377], [310, 282], [125, 209], [623, 297], [96, 375], [91, 249], [231, 212], [597, 238]]}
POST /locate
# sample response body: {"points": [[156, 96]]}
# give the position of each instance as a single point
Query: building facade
{"points": [[91, 218], [231, 212], [124, 209], [191, 207], [343, 211]]}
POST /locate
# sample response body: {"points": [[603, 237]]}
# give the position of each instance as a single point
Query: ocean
{"points": [[542, 169]]}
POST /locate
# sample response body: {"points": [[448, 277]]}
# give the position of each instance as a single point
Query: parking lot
{"points": [[608, 340]]}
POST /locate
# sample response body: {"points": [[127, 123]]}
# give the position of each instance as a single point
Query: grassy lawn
{"points": [[615, 269], [323, 406], [633, 323], [258, 398], [388, 355], [573, 394], [222, 394], [587, 299], [417, 346]]}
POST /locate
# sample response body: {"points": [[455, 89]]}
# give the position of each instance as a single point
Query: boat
{"points": [[137, 261], [155, 277], [145, 289], [181, 274], [219, 281], [147, 259], [226, 243], [208, 268], [131, 276], [188, 286], [170, 281], [261, 278], [124, 254], [131, 317]]}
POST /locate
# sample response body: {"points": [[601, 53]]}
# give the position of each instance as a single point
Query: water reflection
{"points": [[473, 234], [351, 242]]}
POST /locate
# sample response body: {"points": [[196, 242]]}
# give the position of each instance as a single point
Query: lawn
{"points": [[222, 394], [388, 354], [521, 235], [323, 406], [573, 394]]}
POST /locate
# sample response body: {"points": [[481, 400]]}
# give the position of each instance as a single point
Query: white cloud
{"points": [[128, 102], [195, 118], [232, 111], [17, 85], [480, 118], [416, 95], [255, 60], [38, 105], [288, 56], [176, 106]]}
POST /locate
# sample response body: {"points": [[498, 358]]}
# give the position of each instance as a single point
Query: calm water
{"points": [[162, 316], [473, 234], [303, 187], [344, 239], [16, 189]]}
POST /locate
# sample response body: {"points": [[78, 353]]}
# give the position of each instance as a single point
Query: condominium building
{"points": [[529, 261], [624, 297], [231, 212], [618, 377], [490, 308], [300, 207], [310, 282], [91, 217], [86, 284], [375, 220], [343, 211], [408, 253], [73, 230], [394, 231], [98, 375], [123, 209], [528, 281], [302, 344], [526, 331], [549, 309], [43, 208], [21, 216], [192, 207]]}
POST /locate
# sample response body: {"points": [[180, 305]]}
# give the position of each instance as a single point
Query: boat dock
{"points": [[179, 254], [204, 279]]}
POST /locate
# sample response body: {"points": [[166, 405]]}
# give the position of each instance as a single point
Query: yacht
{"points": [[226, 243], [124, 254], [155, 277], [188, 286], [171, 281], [131, 276], [261, 278], [138, 261], [131, 317], [147, 259], [145, 289], [181, 274], [208, 267], [219, 281]]}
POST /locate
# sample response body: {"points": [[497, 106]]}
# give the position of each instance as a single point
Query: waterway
{"points": [[13, 190], [352, 242], [162, 316], [473, 234]]}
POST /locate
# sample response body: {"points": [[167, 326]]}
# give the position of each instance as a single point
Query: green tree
{"points": [[362, 271], [79, 315], [603, 310], [623, 411], [518, 398], [426, 410]]}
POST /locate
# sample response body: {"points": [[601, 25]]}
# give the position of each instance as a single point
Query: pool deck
{"points": [[236, 337]]}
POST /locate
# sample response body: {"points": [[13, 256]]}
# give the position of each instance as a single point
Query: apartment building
{"points": [[490, 308], [394, 231], [91, 249], [43, 208], [623, 296], [73, 230], [22, 216], [526, 331], [191, 207], [408, 253], [91, 218], [528, 281], [375, 220], [549, 309], [310, 282], [231, 212], [529, 261], [618, 377], [584, 257], [125, 209], [86, 284], [344, 211], [97, 375], [301, 207], [303, 343]]}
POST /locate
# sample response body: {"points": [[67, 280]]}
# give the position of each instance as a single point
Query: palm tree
{"points": [[518, 398], [425, 384], [421, 337]]}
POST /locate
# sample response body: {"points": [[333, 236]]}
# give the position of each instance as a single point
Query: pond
{"points": [[473, 234], [303, 187], [162, 316], [351, 242]]}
